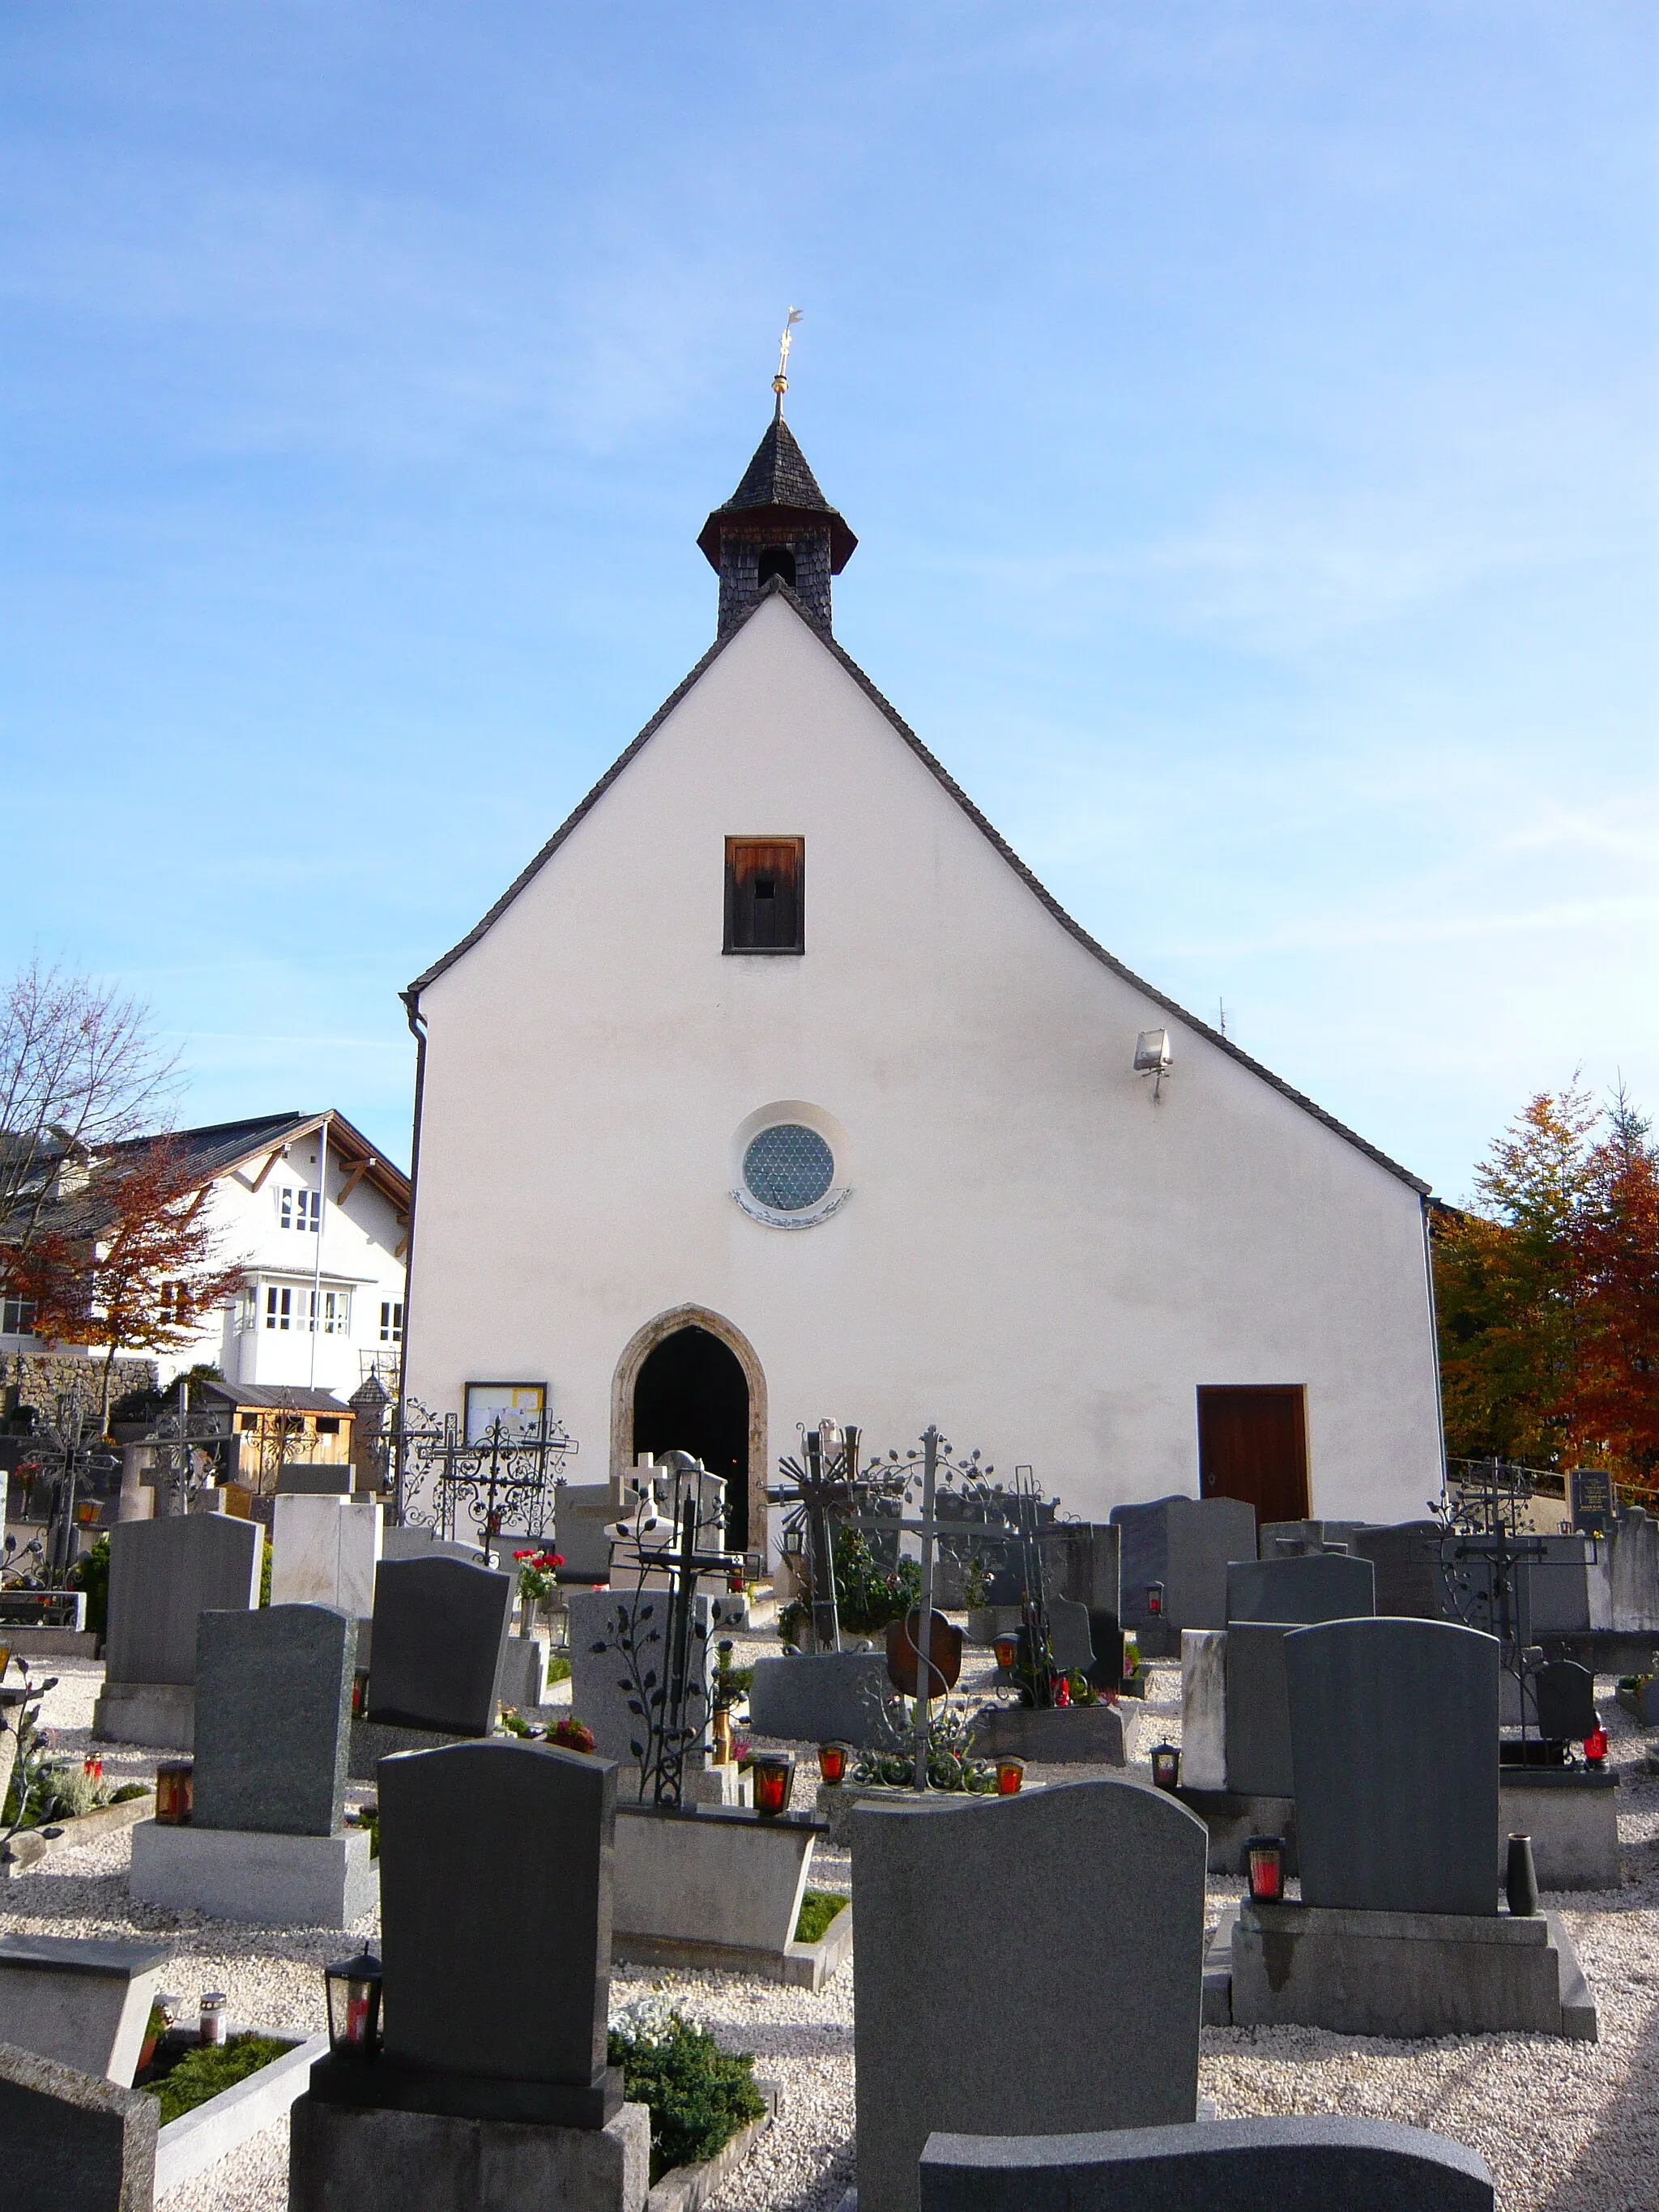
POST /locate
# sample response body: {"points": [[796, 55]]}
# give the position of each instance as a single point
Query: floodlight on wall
{"points": [[1154, 1058]]}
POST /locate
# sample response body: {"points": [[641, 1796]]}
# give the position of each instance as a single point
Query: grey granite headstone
{"points": [[1324, 1586], [273, 1719], [1024, 1966], [1186, 1544], [583, 1511], [1083, 1562], [78, 2002], [1393, 1739], [1288, 1539], [70, 2142], [1257, 1710], [1634, 1545], [1216, 2166], [163, 1575], [1068, 1635], [597, 1694], [487, 1835], [440, 1632], [1566, 1590], [820, 1696]]}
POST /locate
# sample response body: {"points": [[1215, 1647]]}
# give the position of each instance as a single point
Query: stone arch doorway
{"points": [[689, 1381]]}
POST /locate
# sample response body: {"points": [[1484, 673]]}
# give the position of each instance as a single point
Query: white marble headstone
{"points": [[325, 1552]]}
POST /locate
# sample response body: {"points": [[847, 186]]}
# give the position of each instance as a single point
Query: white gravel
{"points": [[1565, 2127]]}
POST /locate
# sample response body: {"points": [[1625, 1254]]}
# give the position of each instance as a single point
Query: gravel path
{"points": [[1565, 2127]]}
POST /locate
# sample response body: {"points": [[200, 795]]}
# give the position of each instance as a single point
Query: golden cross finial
{"points": [[780, 381]]}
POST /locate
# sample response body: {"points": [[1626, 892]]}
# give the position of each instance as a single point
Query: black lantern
{"points": [[1166, 1765], [1155, 1599], [354, 2006], [772, 1773]]}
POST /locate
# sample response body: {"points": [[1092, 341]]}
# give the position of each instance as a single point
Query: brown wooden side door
{"points": [[1253, 1444]]}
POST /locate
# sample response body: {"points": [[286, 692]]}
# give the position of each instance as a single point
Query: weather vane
{"points": [[780, 381]]}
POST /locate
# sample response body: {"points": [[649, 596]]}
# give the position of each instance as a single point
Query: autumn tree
{"points": [[1547, 1291], [131, 1262]]}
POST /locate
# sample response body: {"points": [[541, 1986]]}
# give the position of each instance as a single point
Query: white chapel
{"points": [[711, 1139]]}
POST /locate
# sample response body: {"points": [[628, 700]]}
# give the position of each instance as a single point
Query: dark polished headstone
{"points": [[981, 1926], [1215, 2166], [163, 1575], [1394, 1741], [1324, 1586], [440, 1631], [1565, 1698], [1258, 1711], [1185, 1545], [273, 1719], [479, 1835], [1410, 1580]]}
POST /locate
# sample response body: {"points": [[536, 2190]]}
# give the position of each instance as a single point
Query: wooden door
{"points": [[1253, 1444]]}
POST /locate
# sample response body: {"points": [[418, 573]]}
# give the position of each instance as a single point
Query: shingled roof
{"points": [[778, 482]]}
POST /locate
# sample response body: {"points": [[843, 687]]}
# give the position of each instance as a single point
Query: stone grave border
{"points": [[25, 1850], [200, 2138], [689, 2188]]}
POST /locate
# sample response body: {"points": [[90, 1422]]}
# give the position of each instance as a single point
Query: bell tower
{"points": [[776, 523]]}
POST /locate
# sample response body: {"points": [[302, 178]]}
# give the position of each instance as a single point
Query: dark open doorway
{"points": [[1253, 1444], [692, 1395]]}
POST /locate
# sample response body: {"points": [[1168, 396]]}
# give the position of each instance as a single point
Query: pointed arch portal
{"points": [[689, 1381]]}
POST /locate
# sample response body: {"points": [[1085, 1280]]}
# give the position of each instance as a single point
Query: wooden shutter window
{"points": [[765, 895]]}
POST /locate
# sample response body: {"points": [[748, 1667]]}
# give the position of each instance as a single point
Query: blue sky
{"points": [[1247, 413]]}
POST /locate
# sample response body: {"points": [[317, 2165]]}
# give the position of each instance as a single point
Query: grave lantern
{"points": [[354, 2005], [1011, 1774], [1166, 1765], [1264, 1859], [1155, 1599], [1007, 1650], [175, 1788], [834, 1760], [772, 1771], [1595, 1745]]}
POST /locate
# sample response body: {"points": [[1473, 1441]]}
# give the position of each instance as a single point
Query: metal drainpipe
{"points": [[417, 1030], [1434, 1343]]}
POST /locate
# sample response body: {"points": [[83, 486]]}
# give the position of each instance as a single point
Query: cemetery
{"points": [[961, 1854]]}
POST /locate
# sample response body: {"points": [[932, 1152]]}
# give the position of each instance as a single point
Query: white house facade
{"points": [[803, 1098]]}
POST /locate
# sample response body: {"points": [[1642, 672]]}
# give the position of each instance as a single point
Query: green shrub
{"points": [[128, 1791], [558, 1668], [90, 1573], [700, 2096], [818, 1907], [264, 1571], [203, 2073]]}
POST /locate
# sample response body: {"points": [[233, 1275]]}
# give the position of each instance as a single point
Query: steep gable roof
{"points": [[777, 587]]}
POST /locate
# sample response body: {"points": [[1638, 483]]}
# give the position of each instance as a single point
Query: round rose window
{"points": [[788, 1167]]}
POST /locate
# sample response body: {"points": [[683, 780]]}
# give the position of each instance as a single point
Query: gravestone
{"points": [[1215, 2166], [440, 1629], [1566, 1590], [313, 1478], [597, 1694], [72, 2142], [163, 1575], [1182, 1546], [820, 1696], [79, 2003], [1023, 1965], [1565, 1696], [273, 1719], [1283, 1540], [1322, 1586], [1634, 1545], [583, 1512], [1393, 1737], [412, 1542], [526, 1834], [1410, 1581], [324, 1551]]}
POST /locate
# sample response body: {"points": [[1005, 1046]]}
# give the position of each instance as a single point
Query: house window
{"points": [[392, 1321], [300, 1209], [247, 1312], [279, 1308], [331, 1310], [328, 1425], [16, 1317], [765, 895], [247, 1423]]}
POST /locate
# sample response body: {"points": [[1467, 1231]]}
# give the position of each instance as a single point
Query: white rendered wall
{"points": [[1033, 1255]]}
